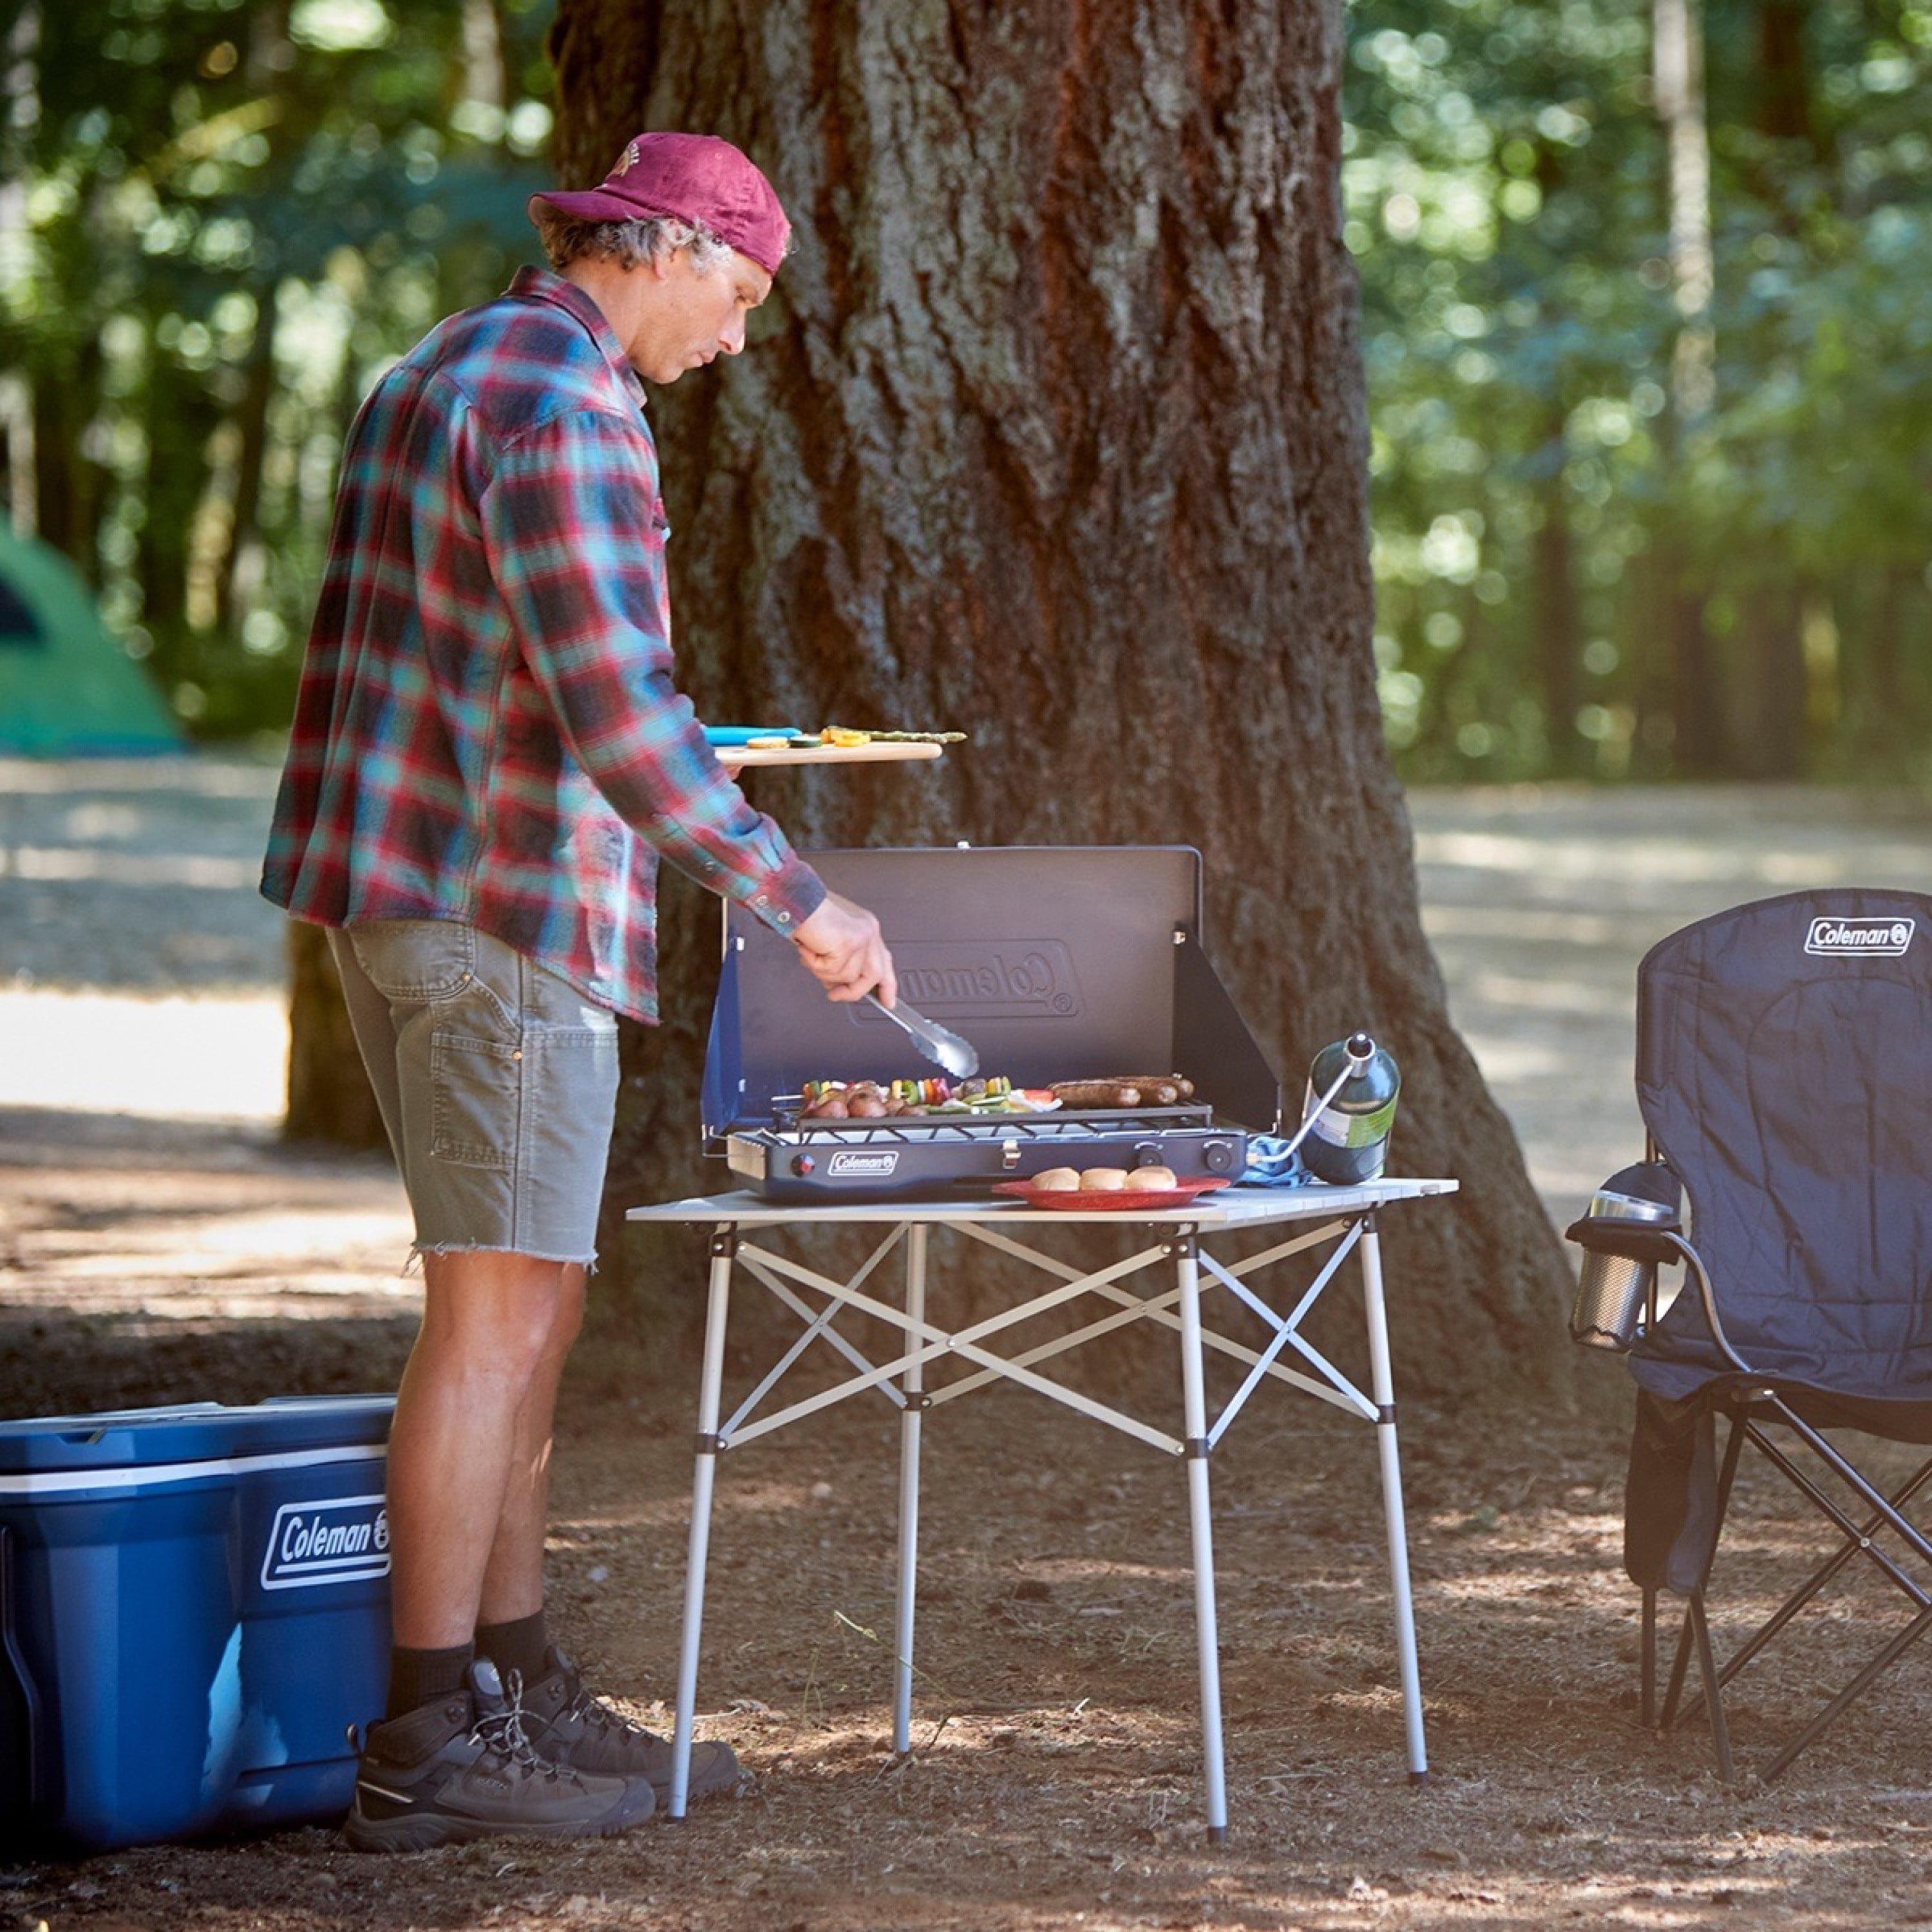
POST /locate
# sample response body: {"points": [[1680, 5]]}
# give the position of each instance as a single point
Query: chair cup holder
{"points": [[1614, 1290], [1612, 1294]]}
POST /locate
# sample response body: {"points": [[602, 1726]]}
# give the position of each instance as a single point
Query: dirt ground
{"points": [[157, 1243]]}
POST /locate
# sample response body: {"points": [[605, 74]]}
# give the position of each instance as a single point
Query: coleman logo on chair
{"points": [[343, 1539], [1862, 938]]}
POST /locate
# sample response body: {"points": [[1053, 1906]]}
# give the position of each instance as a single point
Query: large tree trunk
{"points": [[329, 1097], [1777, 745], [1054, 431], [181, 419], [69, 486], [1701, 742], [237, 572], [1558, 647]]}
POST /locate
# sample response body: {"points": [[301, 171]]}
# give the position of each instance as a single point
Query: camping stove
{"points": [[872, 1159], [1058, 963]]}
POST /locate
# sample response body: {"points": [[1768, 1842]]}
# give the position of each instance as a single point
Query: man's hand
{"points": [[843, 949]]}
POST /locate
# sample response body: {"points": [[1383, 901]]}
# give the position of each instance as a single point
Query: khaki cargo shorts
{"points": [[497, 1082]]}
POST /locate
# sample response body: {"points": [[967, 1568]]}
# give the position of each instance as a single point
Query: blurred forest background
{"points": [[1645, 286]]}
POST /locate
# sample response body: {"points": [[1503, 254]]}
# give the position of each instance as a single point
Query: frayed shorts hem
{"points": [[419, 1249]]}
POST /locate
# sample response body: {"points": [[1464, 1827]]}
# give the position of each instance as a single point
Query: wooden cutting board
{"points": [[747, 758]]}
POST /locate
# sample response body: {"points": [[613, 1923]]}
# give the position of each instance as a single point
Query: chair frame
{"points": [[1749, 1414], [1750, 1408]]}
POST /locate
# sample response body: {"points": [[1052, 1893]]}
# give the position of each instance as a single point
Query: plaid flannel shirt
{"points": [[486, 728]]}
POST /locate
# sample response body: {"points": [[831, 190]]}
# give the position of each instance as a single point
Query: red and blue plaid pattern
{"points": [[487, 728]]}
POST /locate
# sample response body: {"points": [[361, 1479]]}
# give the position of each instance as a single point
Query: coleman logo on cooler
{"points": [[1860, 938], [341, 1540], [849, 1162]]}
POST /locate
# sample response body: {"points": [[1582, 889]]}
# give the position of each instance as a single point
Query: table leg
{"points": [[1194, 1403], [1382, 1385], [724, 1247], [910, 1416]]}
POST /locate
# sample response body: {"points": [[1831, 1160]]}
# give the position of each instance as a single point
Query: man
{"points": [[489, 755]]}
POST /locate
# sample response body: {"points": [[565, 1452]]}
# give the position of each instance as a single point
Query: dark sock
{"points": [[420, 1677], [522, 1645]]}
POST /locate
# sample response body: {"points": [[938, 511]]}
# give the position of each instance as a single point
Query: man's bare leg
{"points": [[513, 1583], [468, 1449]]}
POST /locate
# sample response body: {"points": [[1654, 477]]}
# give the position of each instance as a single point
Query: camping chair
{"points": [[1784, 1075]]}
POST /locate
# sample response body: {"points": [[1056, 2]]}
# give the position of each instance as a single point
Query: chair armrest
{"points": [[1653, 1241]]}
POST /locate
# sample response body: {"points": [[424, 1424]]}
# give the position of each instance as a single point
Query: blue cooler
{"points": [[194, 1606]]}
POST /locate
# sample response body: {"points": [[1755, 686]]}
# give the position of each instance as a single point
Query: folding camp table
{"points": [[1329, 1222]]}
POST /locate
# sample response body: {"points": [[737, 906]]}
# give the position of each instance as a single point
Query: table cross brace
{"points": [[938, 1343], [1337, 1389], [1286, 1330]]}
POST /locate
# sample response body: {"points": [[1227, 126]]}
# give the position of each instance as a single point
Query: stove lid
{"points": [[1057, 962]]}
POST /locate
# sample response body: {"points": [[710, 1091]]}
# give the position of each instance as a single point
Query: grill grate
{"points": [[941, 1129]]}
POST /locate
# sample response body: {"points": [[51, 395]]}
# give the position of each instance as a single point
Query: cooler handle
{"points": [[20, 1766]]}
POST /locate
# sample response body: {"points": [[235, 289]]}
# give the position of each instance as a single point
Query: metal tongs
{"points": [[942, 1047]]}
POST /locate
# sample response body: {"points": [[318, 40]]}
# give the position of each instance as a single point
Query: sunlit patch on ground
{"points": [[215, 1058]]}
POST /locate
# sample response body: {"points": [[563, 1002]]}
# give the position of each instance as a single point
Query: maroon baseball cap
{"points": [[695, 177]]}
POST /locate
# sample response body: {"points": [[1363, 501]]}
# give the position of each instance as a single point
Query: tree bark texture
{"points": [[329, 1097], [1053, 431]]}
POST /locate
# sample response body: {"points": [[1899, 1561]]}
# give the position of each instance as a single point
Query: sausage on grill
{"points": [[1096, 1093]]}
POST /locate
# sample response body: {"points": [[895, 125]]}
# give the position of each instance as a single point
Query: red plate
{"points": [[1104, 1200]]}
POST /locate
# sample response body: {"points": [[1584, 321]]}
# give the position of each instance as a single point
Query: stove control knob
{"points": [[1218, 1156], [1147, 1154], [802, 1163]]}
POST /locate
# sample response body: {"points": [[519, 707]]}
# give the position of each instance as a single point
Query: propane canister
{"points": [[1348, 1139]]}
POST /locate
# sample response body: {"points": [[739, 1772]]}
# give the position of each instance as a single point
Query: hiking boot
{"points": [[462, 1767], [567, 1724]]}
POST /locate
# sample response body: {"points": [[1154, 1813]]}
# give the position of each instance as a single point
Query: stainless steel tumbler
{"points": [[1612, 1292]]}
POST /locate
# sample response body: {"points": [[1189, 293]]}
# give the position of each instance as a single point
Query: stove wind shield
{"points": [[1058, 963]]}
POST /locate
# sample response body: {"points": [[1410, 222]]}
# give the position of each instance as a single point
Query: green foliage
{"points": [[1548, 525], [219, 219], [233, 213]]}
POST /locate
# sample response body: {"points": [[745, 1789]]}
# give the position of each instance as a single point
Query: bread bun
{"points": [[1153, 1180], [1102, 1179], [1056, 1180]]}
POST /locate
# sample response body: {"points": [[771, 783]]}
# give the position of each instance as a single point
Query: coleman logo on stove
{"points": [[850, 1163], [1861, 938], [963, 977], [343, 1539]]}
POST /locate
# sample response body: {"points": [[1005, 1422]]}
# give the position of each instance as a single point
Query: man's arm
{"points": [[567, 525], [566, 522]]}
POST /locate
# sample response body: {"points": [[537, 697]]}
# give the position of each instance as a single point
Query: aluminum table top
{"points": [[1225, 1207]]}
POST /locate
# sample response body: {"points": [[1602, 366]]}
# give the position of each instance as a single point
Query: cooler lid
{"points": [[1058, 963], [191, 1432]]}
